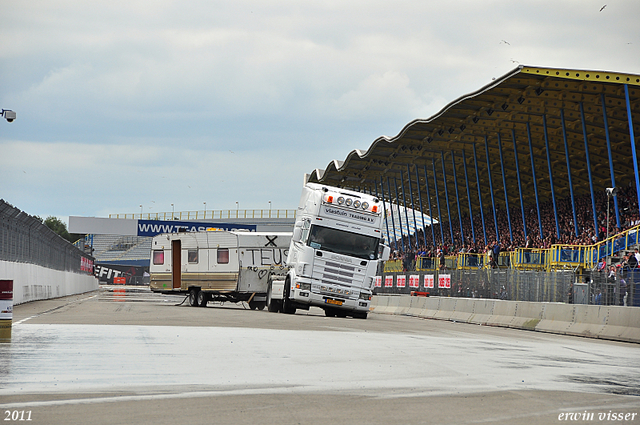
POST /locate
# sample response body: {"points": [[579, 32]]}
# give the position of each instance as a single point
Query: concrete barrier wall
{"points": [[607, 322], [32, 282]]}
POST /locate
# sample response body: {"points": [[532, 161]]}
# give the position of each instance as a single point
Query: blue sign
{"points": [[155, 227]]}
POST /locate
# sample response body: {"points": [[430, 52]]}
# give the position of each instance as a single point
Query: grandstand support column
{"points": [[404, 204], [493, 203], [395, 184], [515, 154], [535, 182], [435, 183], [455, 182], [393, 222], [424, 228], [566, 154], [466, 178], [413, 207], [553, 194], [633, 142], [613, 179], [504, 183], [426, 184], [384, 207], [586, 151], [446, 194], [475, 162]]}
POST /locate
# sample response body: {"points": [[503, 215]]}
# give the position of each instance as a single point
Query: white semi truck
{"points": [[335, 251], [218, 265], [329, 261]]}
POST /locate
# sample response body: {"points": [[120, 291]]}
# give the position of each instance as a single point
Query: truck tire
{"points": [[202, 298], [193, 297], [360, 315], [287, 306], [329, 312], [273, 306]]}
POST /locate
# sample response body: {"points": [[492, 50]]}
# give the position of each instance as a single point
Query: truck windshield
{"points": [[341, 242]]}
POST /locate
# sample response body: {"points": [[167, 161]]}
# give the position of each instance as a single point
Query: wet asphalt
{"points": [[126, 355]]}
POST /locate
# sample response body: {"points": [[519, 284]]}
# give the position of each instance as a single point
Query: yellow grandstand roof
{"points": [[511, 107]]}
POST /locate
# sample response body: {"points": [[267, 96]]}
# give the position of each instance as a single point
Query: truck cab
{"points": [[335, 251]]}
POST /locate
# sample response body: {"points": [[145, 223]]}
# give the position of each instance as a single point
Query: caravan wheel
{"points": [[193, 297], [202, 298]]}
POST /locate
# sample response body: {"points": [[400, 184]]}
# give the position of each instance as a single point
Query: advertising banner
{"points": [[388, 281], [6, 299], [428, 281], [108, 273], [414, 281], [156, 227], [401, 281], [378, 281], [444, 281]]}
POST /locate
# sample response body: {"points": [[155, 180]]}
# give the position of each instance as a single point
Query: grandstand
{"points": [[522, 164], [122, 250]]}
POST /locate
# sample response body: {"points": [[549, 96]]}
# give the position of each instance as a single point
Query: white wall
{"points": [[32, 282]]}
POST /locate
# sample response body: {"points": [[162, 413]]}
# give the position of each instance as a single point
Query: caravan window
{"points": [[158, 258], [192, 256], [223, 255]]}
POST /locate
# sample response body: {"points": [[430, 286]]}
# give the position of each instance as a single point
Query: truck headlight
{"points": [[303, 286], [365, 296]]}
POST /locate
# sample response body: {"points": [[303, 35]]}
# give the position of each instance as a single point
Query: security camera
{"points": [[612, 191], [8, 115]]}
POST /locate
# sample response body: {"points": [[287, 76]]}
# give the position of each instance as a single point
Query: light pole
{"points": [[269, 209], [140, 211], [173, 211], [611, 191], [205, 209]]}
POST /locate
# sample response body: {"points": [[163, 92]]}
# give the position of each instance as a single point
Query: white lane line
{"points": [[53, 309], [183, 395]]}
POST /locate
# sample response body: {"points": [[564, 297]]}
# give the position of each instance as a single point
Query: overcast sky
{"points": [[123, 103]]}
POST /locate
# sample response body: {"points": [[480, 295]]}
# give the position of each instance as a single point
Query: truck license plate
{"points": [[334, 302]]}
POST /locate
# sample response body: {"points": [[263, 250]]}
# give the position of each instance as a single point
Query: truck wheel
{"points": [[202, 298], [273, 306], [257, 305], [360, 315], [329, 312], [287, 306], [193, 297]]}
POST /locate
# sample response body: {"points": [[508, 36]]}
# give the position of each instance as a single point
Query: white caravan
{"points": [[335, 252], [218, 265]]}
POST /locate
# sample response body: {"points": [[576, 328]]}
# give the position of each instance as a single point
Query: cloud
{"points": [[110, 96]]}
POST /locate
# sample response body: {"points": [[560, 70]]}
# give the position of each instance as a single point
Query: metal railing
{"points": [[558, 257], [611, 246], [529, 259], [209, 215]]}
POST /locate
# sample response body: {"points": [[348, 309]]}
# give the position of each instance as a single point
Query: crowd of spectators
{"points": [[580, 232]]}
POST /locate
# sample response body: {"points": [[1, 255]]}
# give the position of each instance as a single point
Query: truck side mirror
{"points": [[297, 234], [386, 253]]}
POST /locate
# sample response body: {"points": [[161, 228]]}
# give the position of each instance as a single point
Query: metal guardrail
{"points": [[211, 215]]}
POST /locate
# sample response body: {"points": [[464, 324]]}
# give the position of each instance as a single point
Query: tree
{"points": [[58, 226]]}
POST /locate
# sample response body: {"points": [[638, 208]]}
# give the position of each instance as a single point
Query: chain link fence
{"points": [[517, 285], [25, 239]]}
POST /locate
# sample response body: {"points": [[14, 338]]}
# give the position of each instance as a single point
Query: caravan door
{"points": [[176, 269]]}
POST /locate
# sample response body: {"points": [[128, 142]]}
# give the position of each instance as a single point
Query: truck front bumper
{"points": [[325, 300]]}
